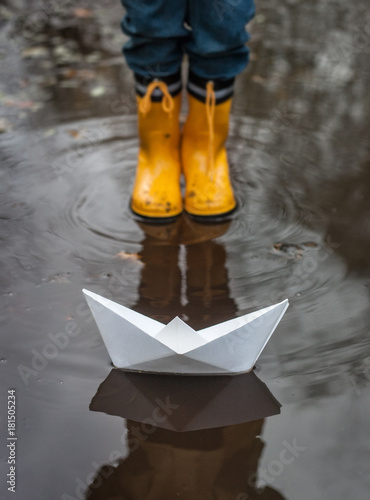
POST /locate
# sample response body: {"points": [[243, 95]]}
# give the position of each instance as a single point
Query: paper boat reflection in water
{"points": [[136, 342], [185, 403]]}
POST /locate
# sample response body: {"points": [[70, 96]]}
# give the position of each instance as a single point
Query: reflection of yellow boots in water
{"points": [[156, 193], [208, 188]]}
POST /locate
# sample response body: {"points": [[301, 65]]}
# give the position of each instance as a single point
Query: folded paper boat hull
{"points": [[138, 343]]}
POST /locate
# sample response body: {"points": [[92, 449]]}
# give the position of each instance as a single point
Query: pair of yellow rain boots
{"points": [[199, 153]]}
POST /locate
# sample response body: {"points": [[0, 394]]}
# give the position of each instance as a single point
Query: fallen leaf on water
{"points": [[289, 250], [127, 256], [82, 74], [69, 73], [38, 51], [21, 104], [74, 133], [4, 125], [81, 12]]}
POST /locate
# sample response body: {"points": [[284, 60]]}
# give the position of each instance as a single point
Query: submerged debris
{"points": [[82, 12], [128, 256], [292, 250], [38, 51], [288, 250], [5, 126]]}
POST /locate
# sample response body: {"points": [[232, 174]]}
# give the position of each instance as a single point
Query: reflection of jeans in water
{"points": [[211, 32]]}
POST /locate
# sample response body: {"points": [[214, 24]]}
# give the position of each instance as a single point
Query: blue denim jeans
{"points": [[211, 32]]}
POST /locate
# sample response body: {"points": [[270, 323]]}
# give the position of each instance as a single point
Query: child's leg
{"points": [[217, 53], [156, 30], [154, 52], [216, 46]]}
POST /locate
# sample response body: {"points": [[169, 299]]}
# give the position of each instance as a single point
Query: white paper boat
{"points": [[136, 342]]}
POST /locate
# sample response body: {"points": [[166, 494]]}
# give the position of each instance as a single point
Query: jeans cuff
{"points": [[196, 87]]}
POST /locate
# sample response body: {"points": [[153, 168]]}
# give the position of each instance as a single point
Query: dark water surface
{"points": [[299, 150]]}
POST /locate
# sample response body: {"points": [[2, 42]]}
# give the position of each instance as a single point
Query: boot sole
{"points": [[154, 220], [213, 219]]}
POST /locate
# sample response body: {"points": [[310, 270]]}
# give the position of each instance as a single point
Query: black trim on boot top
{"points": [[223, 89], [173, 82]]}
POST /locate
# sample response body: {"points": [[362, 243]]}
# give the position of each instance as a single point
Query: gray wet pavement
{"points": [[299, 150]]}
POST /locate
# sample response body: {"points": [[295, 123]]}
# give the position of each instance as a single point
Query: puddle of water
{"points": [[299, 154]]}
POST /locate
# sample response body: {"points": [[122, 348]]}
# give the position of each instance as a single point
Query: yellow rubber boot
{"points": [[156, 193], [204, 160]]}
